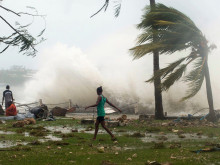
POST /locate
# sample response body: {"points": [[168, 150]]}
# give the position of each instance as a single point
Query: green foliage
{"points": [[21, 36], [167, 30]]}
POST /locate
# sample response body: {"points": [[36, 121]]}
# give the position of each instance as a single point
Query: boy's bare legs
{"points": [[103, 125], [96, 129]]}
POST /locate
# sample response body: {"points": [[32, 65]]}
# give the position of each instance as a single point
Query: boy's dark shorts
{"points": [[100, 118]]}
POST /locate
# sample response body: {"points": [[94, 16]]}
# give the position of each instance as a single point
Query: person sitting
{"points": [[11, 110]]}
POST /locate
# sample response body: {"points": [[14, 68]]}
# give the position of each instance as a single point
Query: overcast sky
{"points": [[68, 22]]}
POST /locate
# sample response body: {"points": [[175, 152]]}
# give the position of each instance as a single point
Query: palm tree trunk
{"points": [[211, 116], [157, 90]]}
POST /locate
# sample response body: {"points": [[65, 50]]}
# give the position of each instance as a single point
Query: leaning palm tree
{"points": [[176, 32]]}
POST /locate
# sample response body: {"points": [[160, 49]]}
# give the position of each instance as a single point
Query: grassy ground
{"points": [[78, 148]]}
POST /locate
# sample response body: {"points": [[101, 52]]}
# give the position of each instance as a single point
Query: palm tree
{"points": [[157, 90], [176, 32]]}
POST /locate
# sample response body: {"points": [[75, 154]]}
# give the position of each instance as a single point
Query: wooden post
{"points": [[70, 103], [40, 102]]}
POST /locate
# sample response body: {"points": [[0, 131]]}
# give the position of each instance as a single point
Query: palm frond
{"points": [[167, 70], [117, 8], [173, 77], [195, 79]]}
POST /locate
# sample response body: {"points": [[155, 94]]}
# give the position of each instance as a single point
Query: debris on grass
{"points": [[152, 163], [175, 145], [175, 130], [120, 130], [134, 155], [101, 149], [74, 130], [158, 145], [207, 150], [37, 133], [58, 143], [153, 129], [29, 121], [20, 130], [163, 138], [181, 136], [36, 142], [18, 124], [199, 133], [107, 162], [137, 134], [68, 135]]}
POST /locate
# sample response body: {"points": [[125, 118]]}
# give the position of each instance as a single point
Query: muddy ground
{"points": [[67, 141]]}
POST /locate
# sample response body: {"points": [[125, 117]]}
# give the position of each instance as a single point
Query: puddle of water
{"points": [[26, 134], [66, 130], [59, 129], [8, 144], [171, 137], [6, 132], [50, 138]]}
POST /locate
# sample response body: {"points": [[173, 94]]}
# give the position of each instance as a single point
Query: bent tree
{"points": [[176, 32], [20, 36]]}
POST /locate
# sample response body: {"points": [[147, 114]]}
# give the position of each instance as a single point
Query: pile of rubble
{"points": [[27, 121]]}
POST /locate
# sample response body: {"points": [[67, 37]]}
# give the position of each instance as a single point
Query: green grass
{"points": [[78, 148]]}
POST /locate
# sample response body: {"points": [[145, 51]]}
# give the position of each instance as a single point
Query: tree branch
{"points": [[10, 10], [105, 5], [16, 31]]}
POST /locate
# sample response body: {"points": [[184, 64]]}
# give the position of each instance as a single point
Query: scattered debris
{"points": [[181, 136], [137, 134], [199, 133], [207, 150], [129, 159], [36, 142], [18, 124], [58, 111], [29, 121], [40, 111], [175, 145], [68, 135], [146, 117], [71, 110], [134, 155], [163, 138], [152, 163], [159, 145], [87, 121], [175, 130], [101, 149], [107, 162], [153, 129], [112, 123]]}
